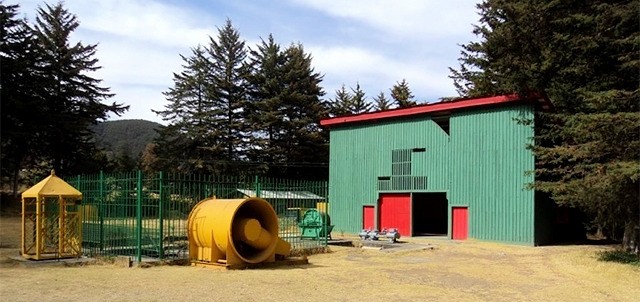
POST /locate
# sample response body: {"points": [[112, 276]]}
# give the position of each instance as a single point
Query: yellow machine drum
{"points": [[233, 231]]}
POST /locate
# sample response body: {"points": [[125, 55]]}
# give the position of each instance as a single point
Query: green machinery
{"points": [[315, 224]]}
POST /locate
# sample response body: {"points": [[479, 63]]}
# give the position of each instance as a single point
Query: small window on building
{"points": [[442, 121], [401, 162]]}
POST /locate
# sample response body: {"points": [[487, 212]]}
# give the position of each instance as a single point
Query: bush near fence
{"points": [[146, 215]]}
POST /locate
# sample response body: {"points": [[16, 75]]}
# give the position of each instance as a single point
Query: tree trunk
{"points": [[631, 237]]}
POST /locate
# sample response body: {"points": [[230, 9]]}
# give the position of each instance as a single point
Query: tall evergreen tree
{"points": [[342, 103], [380, 102], [359, 102], [229, 74], [18, 91], [73, 99], [188, 136], [207, 129], [584, 56], [303, 141], [401, 95], [264, 114], [285, 109]]}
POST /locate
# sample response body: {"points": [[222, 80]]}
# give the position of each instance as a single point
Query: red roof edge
{"points": [[537, 98]]}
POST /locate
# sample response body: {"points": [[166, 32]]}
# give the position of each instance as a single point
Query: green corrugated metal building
{"points": [[456, 169]]}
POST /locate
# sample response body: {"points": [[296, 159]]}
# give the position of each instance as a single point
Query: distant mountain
{"points": [[130, 136]]}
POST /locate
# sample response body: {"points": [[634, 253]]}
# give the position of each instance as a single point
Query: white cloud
{"points": [[143, 20], [414, 40], [408, 18], [139, 43], [373, 42], [141, 100], [377, 72]]}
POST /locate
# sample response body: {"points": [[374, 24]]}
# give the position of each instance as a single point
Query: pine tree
{"points": [[401, 95], [285, 109], [264, 114], [18, 95], [584, 56], [188, 137], [149, 162], [359, 102], [342, 104], [229, 74], [207, 129], [72, 99], [303, 141], [381, 103]]}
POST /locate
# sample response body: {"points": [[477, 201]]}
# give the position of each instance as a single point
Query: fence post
{"points": [[257, 185], [139, 217], [161, 216], [101, 212], [81, 210]]}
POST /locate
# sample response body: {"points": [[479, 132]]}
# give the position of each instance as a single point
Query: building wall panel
{"points": [[490, 172], [482, 164], [361, 153]]}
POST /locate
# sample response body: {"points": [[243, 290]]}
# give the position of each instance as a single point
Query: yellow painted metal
{"points": [[51, 223], [234, 232], [52, 186], [322, 207]]}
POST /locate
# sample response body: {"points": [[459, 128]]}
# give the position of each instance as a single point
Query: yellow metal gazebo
{"points": [[51, 224]]}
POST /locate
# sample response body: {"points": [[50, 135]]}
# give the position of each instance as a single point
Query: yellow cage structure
{"points": [[51, 222]]}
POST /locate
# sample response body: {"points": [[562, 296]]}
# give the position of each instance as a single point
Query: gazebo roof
{"points": [[51, 186]]}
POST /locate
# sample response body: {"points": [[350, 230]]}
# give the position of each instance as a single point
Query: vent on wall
{"points": [[401, 162], [384, 183], [402, 183]]}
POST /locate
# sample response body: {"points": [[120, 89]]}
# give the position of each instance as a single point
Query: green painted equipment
{"points": [[315, 225]]}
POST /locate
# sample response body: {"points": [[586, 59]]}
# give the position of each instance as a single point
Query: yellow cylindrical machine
{"points": [[233, 232]]}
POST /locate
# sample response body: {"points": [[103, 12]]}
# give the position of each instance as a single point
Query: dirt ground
{"points": [[453, 271]]}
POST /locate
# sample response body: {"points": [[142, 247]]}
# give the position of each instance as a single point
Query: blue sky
{"points": [[372, 42]]}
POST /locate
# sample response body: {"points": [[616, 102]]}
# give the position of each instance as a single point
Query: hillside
{"points": [[130, 136]]}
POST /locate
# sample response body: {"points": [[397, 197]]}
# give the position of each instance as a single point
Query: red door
{"points": [[368, 216], [459, 223], [395, 212]]}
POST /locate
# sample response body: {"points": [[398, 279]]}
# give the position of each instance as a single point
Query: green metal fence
{"points": [[146, 215]]}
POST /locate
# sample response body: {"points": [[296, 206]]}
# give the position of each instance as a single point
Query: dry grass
{"points": [[467, 271]]}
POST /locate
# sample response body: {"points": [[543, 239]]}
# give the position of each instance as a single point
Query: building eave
{"points": [[439, 108]]}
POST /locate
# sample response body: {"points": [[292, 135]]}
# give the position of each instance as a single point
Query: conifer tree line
{"points": [[354, 100], [584, 55], [239, 109], [232, 108], [49, 99]]}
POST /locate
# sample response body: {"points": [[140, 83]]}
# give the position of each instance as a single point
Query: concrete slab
{"points": [[388, 247], [340, 242], [19, 260]]}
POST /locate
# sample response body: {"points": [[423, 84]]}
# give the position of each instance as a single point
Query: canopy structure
{"points": [[270, 194], [51, 224]]}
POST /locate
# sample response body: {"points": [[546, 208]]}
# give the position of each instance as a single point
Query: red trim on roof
{"points": [[433, 108]]}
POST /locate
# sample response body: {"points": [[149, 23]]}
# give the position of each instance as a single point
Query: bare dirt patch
{"points": [[454, 271]]}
